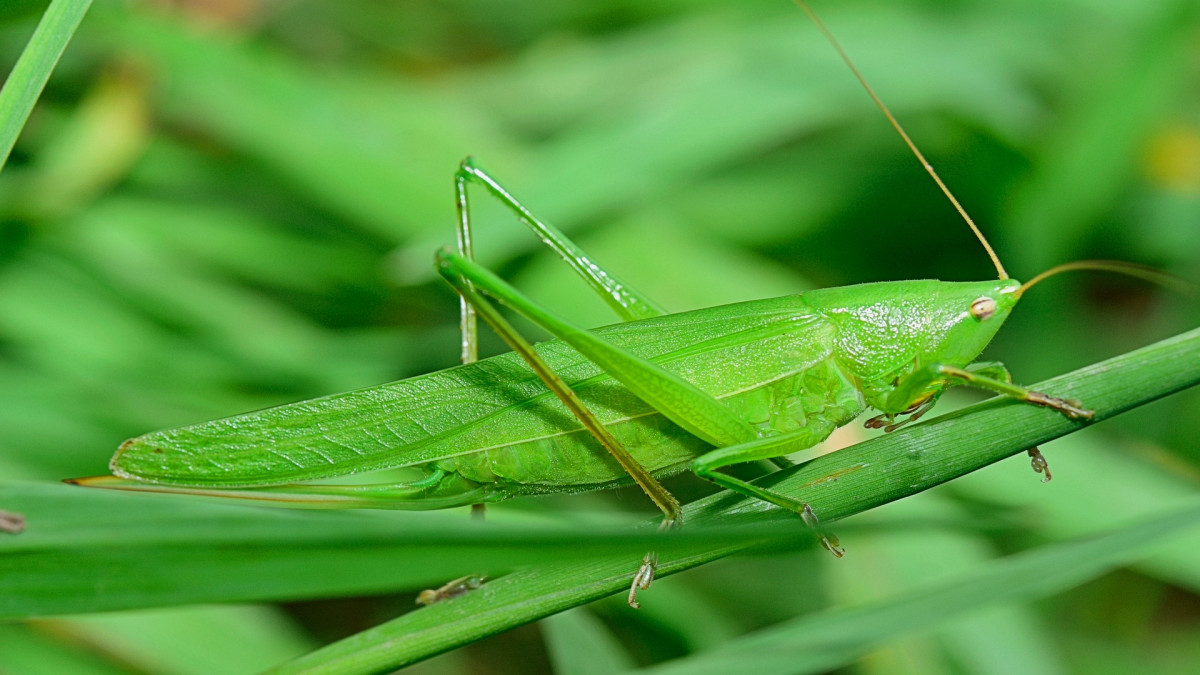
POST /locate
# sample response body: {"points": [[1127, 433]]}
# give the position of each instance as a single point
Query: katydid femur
{"points": [[596, 408]]}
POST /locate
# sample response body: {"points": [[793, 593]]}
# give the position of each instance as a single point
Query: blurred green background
{"points": [[228, 204]]}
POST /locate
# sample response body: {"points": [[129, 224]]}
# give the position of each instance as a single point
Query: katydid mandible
{"points": [[654, 395]]}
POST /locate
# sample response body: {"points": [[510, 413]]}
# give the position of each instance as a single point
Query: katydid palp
{"points": [[657, 394]]}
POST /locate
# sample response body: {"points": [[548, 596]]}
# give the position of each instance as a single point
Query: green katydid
{"points": [[657, 394]]}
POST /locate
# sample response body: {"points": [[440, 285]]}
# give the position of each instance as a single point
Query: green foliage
{"points": [[215, 210], [24, 84]]}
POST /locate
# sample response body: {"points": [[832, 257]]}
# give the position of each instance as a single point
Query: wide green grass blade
{"points": [[837, 485], [94, 550], [821, 642], [29, 76]]}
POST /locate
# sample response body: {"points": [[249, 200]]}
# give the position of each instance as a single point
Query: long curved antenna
{"points": [[903, 134], [1128, 269]]}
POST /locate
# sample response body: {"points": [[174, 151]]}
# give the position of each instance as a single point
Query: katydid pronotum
{"points": [[634, 401]]}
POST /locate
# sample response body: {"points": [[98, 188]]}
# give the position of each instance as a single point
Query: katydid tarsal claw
{"points": [[654, 395], [11, 523], [451, 589]]}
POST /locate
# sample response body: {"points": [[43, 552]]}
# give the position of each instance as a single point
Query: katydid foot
{"points": [[1070, 407], [451, 589], [645, 573], [643, 578], [827, 539], [1039, 463], [12, 523], [888, 422]]}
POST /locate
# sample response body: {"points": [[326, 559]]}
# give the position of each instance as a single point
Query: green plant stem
{"points": [[836, 485], [27, 79]]}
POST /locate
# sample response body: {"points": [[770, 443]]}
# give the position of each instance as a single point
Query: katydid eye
{"points": [[983, 308]]}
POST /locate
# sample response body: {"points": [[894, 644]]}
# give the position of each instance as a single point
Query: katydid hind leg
{"points": [[672, 511], [680, 401], [662, 498], [707, 466], [629, 303]]}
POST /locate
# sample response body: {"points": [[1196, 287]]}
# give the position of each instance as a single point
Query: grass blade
{"points": [[837, 485], [828, 640], [93, 551], [29, 76]]}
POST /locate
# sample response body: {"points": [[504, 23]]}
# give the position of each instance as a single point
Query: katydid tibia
{"points": [[634, 401]]}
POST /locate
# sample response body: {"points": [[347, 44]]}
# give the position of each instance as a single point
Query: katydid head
{"points": [[885, 328], [973, 312], [967, 315]]}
